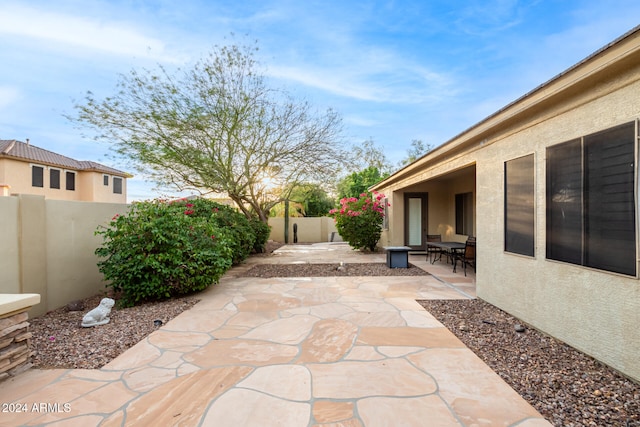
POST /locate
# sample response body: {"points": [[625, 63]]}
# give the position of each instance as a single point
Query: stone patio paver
{"points": [[330, 351]]}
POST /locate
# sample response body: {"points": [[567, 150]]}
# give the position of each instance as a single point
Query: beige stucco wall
{"points": [[48, 248], [594, 311], [86, 186], [71, 263], [89, 185], [9, 255], [310, 230], [32, 249], [3, 173], [95, 190], [18, 175]]}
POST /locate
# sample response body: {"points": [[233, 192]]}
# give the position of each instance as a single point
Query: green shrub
{"points": [[159, 250], [359, 220], [242, 237], [262, 231]]}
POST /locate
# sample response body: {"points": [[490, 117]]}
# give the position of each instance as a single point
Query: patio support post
{"points": [[286, 221]]}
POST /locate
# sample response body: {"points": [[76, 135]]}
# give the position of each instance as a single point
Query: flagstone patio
{"points": [[322, 351]]}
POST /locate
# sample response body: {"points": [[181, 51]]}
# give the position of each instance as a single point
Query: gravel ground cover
{"points": [[60, 342], [566, 386], [321, 270]]}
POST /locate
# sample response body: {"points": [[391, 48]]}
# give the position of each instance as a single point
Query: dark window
{"points": [[609, 202], [464, 214], [37, 176], [71, 181], [54, 178], [519, 213], [117, 185], [591, 217], [564, 202], [105, 179]]}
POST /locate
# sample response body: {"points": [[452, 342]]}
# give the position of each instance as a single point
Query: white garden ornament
{"points": [[99, 315]]}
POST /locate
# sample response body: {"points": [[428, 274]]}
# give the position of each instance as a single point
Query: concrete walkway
{"points": [[331, 351]]}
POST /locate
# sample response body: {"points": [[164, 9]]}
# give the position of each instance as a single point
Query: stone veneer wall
{"points": [[15, 349]]}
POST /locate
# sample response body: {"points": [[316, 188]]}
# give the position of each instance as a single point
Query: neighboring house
{"points": [[549, 186], [27, 169]]}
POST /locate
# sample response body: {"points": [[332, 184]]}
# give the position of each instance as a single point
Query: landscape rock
{"points": [[569, 388], [75, 306]]}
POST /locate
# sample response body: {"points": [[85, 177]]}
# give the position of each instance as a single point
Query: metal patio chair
{"points": [[469, 255], [432, 252]]}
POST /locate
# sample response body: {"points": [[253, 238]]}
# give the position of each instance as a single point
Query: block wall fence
{"points": [[47, 246]]}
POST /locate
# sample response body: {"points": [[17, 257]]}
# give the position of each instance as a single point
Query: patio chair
{"points": [[433, 251], [469, 256]]}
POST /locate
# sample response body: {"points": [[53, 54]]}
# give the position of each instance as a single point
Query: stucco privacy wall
{"points": [[71, 242], [48, 248], [310, 230], [595, 311], [9, 253]]}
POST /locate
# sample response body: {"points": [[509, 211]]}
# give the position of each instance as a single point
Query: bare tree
{"points": [[367, 154], [417, 150], [217, 127]]}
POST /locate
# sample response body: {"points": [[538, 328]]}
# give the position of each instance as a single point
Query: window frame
{"points": [[464, 213], [584, 215], [105, 180], [385, 218], [35, 167], [67, 174], [524, 241], [119, 186], [51, 180]]}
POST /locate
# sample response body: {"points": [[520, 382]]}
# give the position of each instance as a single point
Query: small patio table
{"points": [[397, 256], [454, 248]]}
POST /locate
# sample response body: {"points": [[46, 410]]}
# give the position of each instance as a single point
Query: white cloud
{"points": [[328, 80], [480, 17], [75, 31], [360, 121], [392, 83], [8, 95]]}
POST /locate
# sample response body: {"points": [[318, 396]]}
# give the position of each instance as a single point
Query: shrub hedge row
{"points": [[163, 249]]}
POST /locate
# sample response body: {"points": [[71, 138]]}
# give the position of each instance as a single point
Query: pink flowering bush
{"points": [[359, 220]]}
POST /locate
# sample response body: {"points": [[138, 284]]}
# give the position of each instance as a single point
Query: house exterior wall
{"points": [[48, 248], [18, 176], [595, 311], [88, 184], [94, 189]]}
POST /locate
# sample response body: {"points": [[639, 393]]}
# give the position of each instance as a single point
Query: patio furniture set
{"points": [[398, 256], [452, 251]]}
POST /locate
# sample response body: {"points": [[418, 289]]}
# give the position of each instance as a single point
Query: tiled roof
{"points": [[23, 151]]}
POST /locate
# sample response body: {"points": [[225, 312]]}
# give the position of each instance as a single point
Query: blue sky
{"points": [[395, 70]]}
